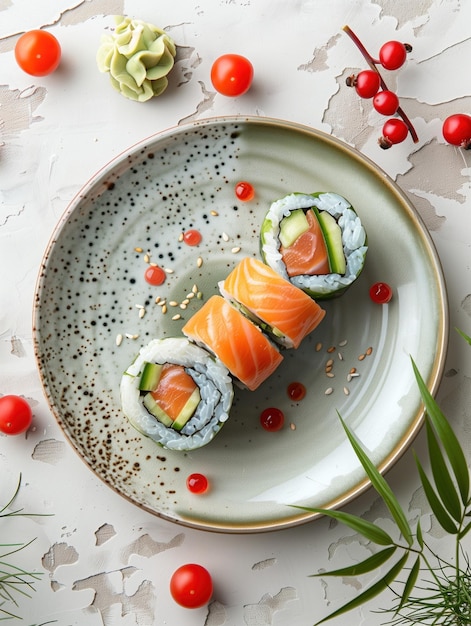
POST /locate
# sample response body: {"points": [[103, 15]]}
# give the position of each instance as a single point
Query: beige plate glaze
{"points": [[92, 279]]}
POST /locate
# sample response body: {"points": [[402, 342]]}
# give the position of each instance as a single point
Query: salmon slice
{"points": [[174, 390], [240, 345], [308, 254], [289, 312]]}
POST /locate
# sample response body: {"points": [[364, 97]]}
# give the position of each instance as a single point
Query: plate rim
{"points": [[432, 382]]}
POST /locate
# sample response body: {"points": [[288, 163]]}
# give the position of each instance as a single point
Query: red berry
{"points": [[392, 54], [367, 83], [386, 102], [381, 293], [394, 131], [457, 130]]}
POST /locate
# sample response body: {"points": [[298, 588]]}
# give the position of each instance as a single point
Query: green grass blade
{"points": [[370, 531], [443, 518], [368, 565], [410, 583], [381, 486], [445, 486], [464, 335], [447, 437], [419, 535], [371, 592]]}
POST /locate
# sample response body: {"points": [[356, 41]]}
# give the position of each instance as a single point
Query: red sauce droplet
{"points": [[272, 419], [381, 293], [197, 483], [244, 191], [296, 391], [192, 237], [155, 275]]}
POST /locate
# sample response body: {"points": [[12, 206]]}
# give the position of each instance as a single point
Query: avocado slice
{"points": [[292, 226], [333, 240], [150, 376]]}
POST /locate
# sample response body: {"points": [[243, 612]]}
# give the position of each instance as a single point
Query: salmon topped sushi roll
{"points": [[240, 345], [282, 310]]}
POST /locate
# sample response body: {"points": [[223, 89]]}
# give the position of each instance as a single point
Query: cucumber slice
{"points": [[150, 376], [292, 226], [188, 410], [333, 241], [155, 410]]}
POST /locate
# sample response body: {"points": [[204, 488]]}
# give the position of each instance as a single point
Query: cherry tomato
{"points": [[15, 415], [457, 130], [191, 586], [367, 83], [232, 74], [386, 102], [38, 52], [392, 54]]}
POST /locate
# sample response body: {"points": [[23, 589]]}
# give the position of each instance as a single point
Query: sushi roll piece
{"points": [[239, 344], [176, 393], [282, 310], [316, 241]]}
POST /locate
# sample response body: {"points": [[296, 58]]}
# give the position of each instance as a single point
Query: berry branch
{"points": [[385, 141]]}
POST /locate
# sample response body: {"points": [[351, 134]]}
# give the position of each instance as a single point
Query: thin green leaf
{"points": [[410, 583], [464, 335], [447, 437], [371, 592], [370, 531], [445, 486], [437, 507], [381, 486], [368, 565], [419, 535], [464, 531]]}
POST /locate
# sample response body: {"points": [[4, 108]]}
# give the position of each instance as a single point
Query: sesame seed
{"points": [[329, 363], [199, 295], [162, 302], [177, 317], [138, 249], [339, 354], [349, 378], [180, 237], [353, 370], [190, 295], [164, 309], [331, 349], [153, 264], [215, 213], [119, 339], [225, 236], [292, 426], [361, 357], [346, 391], [168, 270], [183, 306], [139, 306], [330, 374], [369, 351], [355, 375], [146, 258], [131, 336], [235, 250], [318, 347], [328, 391], [199, 261], [173, 303], [142, 312], [328, 368], [343, 343], [186, 301], [194, 289], [157, 300]]}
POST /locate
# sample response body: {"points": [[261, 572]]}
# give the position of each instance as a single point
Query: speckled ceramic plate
{"points": [[91, 286]]}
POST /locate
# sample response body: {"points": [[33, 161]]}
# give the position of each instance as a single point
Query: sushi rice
{"points": [[209, 374], [353, 241]]}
